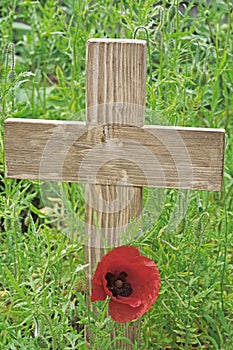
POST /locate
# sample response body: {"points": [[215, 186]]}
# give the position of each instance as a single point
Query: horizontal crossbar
{"points": [[151, 156]]}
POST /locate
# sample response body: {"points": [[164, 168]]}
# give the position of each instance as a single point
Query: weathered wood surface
{"points": [[116, 82], [151, 156]]}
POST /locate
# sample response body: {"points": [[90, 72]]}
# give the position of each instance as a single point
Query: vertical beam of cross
{"points": [[115, 95]]}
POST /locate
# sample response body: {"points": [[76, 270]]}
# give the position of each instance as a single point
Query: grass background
{"points": [[189, 83]]}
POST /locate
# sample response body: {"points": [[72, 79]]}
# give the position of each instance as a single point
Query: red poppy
{"points": [[131, 281]]}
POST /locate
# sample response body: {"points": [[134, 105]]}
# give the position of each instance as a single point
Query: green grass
{"points": [[189, 83]]}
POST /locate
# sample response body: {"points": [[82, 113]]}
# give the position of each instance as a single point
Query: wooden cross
{"points": [[113, 153]]}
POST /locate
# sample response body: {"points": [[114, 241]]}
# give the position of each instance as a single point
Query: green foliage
{"points": [[189, 83]]}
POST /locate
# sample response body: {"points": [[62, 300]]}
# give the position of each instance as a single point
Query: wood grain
{"points": [[151, 156], [115, 82]]}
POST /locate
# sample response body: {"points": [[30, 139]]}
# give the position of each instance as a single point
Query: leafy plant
{"points": [[189, 83]]}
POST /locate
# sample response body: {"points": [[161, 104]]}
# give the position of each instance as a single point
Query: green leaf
{"points": [[81, 267], [21, 26]]}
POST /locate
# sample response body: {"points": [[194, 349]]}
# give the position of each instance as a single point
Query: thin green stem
{"points": [[54, 341], [223, 272], [148, 46]]}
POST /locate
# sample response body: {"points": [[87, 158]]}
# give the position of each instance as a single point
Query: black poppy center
{"points": [[118, 285]]}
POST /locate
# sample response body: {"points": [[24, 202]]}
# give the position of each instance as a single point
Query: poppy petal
{"points": [[98, 292], [124, 312], [142, 275]]}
